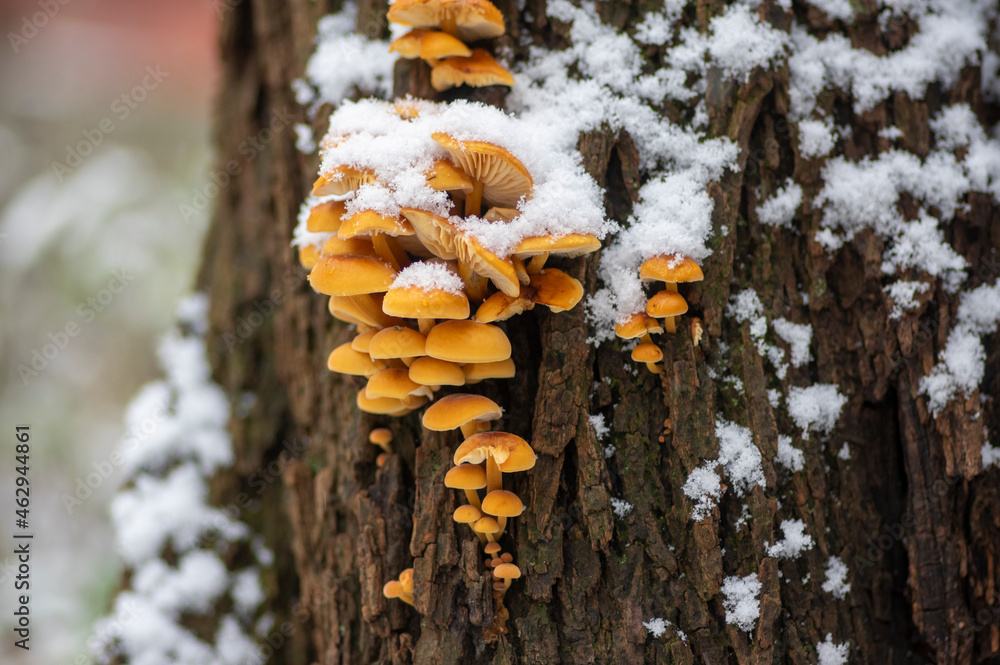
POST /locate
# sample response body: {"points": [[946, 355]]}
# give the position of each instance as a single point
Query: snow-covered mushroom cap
{"points": [[469, 20]]}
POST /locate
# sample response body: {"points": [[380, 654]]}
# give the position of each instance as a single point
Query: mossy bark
{"points": [[911, 512]]}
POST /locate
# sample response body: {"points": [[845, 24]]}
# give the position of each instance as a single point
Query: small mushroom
{"points": [[666, 305], [478, 70], [670, 269], [467, 342], [469, 478], [502, 504], [468, 514], [435, 373], [325, 217], [397, 342], [650, 354], [538, 248], [381, 405], [469, 20], [497, 175], [393, 382], [381, 437], [506, 572], [476, 372], [487, 526], [500, 306], [429, 45], [468, 412], [500, 450], [492, 548], [556, 290], [345, 360]]}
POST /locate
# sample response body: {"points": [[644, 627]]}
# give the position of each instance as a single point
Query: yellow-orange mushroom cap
{"points": [[500, 307], [414, 302], [638, 325], [429, 45], [571, 245], [466, 477], [511, 452], [453, 411], [397, 342], [475, 372], [345, 360], [647, 353], [445, 177], [380, 405], [501, 503], [391, 382], [556, 290], [351, 275], [367, 222], [469, 20], [325, 217], [666, 303], [467, 342], [477, 70], [429, 371], [670, 268], [467, 514]]}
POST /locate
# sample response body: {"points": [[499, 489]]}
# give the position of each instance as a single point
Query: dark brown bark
{"points": [[911, 513]]}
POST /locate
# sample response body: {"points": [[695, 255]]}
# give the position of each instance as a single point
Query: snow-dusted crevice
{"points": [[165, 508]]}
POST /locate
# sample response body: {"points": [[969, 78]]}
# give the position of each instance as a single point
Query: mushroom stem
{"points": [[469, 428], [448, 25], [407, 597], [646, 339], [494, 477], [425, 325], [671, 286], [522, 272], [502, 521], [669, 324], [537, 262], [475, 284], [381, 244], [655, 368], [473, 497], [474, 200]]}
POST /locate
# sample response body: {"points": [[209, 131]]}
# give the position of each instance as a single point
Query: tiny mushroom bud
{"points": [[381, 437], [380, 460], [506, 557], [492, 548]]}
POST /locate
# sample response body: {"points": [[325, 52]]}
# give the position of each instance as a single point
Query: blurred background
{"points": [[105, 113]]}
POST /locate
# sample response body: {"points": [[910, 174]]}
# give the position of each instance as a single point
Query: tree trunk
{"points": [[911, 512]]}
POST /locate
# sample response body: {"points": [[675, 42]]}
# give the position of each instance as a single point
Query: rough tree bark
{"points": [[911, 513]]}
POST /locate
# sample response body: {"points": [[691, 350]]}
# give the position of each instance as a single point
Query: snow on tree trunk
{"points": [[791, 489]]}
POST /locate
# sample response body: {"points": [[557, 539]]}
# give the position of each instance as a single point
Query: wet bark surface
{"points": [[911, 512]]}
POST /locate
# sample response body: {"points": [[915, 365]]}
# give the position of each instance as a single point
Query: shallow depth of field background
{"points": [[63, 238]]}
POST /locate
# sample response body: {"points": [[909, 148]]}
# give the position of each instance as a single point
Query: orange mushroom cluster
{"points": [[425, 294], [666, 305], [441, 30]]}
